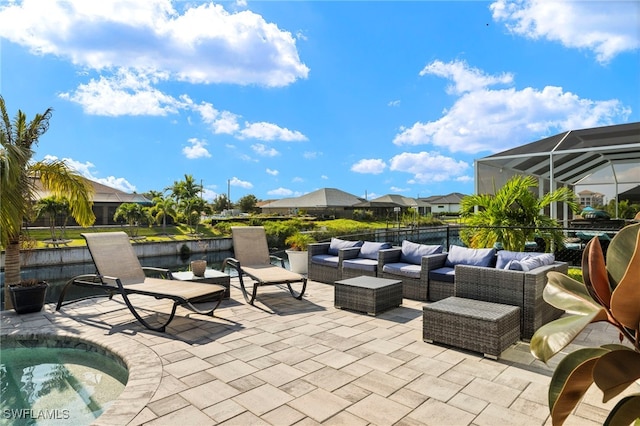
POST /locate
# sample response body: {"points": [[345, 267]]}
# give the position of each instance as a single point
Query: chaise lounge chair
{"points": [[119, 271], [252, 259]]}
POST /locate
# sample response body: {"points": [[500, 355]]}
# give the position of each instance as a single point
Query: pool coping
{"points": [[143, 364]]}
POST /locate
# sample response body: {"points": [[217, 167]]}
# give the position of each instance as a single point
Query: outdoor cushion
{"points": [[337, 244], [360, 264], [531, 262], [413, 252], [406, 269], [445, 274], [466, 256], [325, 259], [505, 256], [369, 250]]}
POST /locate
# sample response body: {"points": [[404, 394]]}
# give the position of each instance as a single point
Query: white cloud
{"points": [[482, 119], [395, 103], [309, 155], [369, 166], [209, 194], [273, 172], [264, 151], [202, 44], [396, 189], [280, 192], [196, 150], [428, 167], [297, 179], [84, 169], [221, 122], [464, 179], [125, 93], [324, 177], [608, 28], [240, 183], [465, 78], [269, 131]]}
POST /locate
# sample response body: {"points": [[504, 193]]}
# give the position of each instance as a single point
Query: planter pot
{"points": [[28, 299], [198, 267], [298, 261]]}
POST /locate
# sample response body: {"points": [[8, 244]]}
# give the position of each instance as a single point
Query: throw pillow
{"points": [[413, 252], [337, 244], [369, 250], [466, 256], [505, 256], [529, 263]]}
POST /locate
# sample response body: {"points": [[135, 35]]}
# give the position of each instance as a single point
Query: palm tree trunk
{"points": [[11, 270]]}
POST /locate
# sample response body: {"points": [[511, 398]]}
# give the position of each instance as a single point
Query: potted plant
{"points": [[297, 252], [28, 296], [19, 176]]}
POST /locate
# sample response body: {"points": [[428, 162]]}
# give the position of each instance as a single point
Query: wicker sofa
{"points": [[363, 260], [516, 288], [325, 259], [410, 264]]}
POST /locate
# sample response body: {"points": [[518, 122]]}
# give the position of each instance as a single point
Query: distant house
{"points": [[386, 205], [590, 198], [325, 202], [106, 200], [438, 204]]}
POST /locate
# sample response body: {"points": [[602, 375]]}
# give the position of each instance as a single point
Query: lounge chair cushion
{"points": [[506, 256], [405, 269], [445, 274], [529, 263], [325, 259], [413, 252], [337, 244], [369, 250], [467, 256], [360, 264]]}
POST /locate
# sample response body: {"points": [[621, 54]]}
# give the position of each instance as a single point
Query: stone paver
{"points": [[286, 362]]}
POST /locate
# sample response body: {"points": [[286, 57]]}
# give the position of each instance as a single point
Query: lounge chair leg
{"points": [[248, 299], [299, 295], [161, 328], [210, 312]]}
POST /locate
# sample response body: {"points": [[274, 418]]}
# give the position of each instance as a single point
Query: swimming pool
{"points": [[57, 381]]}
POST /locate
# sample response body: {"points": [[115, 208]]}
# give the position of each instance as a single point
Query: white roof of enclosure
{"points": [[600, 155]]}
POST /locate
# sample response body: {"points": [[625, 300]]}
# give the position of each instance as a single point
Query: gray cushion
{"points": [[405, 269], [445, 274], [413, 252], [466, 256], [337, 244], [505, 256], [369, 250], [325, 259], [360, 264], [528, 263]]}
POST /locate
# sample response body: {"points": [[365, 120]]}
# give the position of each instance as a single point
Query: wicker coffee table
{"points": [[368, 294], [211, 276], [479, 326]]}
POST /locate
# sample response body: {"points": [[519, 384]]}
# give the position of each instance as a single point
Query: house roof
{"points": [[453, 198], [389, 200], [322, 198], [103, 194], [571, 156]]}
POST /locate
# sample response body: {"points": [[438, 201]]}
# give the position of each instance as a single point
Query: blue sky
{"points": [[280, 98]]}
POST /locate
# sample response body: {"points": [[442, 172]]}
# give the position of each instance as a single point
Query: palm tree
{"points": [[18, 177], [133, 214], [513, 216], [162, 208], [52, 207]]}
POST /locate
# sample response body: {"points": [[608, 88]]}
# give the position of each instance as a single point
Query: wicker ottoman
{"points": [[367, 294], [479, 326]]}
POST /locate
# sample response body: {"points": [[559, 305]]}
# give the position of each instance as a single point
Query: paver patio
{"points": [[286, 362]]}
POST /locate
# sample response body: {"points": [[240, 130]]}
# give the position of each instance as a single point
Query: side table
{"points": [[211, 276]]}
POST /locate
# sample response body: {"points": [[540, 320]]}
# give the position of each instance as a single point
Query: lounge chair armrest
{"points": [[158, 271], [277, 259], [391, 255], [433, 261]]}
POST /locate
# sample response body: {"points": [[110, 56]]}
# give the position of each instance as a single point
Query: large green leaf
{"points": [[626, 412], [615, 371], [620, 252], [625, 300], [565, 293], [594, 273], [570, 381], [554, 336]]}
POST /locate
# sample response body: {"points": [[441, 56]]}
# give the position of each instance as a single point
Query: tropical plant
{"points": [[611, 292], [513, 216], [18, 178], [299, 241], [52, 207], [248, 204], [133, 214], [162, 208]]}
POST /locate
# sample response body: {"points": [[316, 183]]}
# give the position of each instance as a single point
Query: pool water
{"points": [[46, 386]]}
